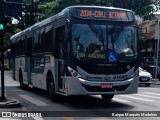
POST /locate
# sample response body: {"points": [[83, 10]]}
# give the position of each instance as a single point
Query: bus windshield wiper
{"points": [[95, 31], [115, 33]]}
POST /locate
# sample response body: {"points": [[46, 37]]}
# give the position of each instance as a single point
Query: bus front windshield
{"points": [[108, 43]]}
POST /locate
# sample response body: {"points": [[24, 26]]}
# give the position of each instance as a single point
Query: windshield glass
{"points": [[104, 42]]}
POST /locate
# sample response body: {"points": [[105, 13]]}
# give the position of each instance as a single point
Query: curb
{"points": [[10, 103]]}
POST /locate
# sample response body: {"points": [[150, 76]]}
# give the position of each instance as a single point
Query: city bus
{"points": [[82, 50]]}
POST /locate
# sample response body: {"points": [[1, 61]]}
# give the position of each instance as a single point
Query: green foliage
{"points": [[144, 8], [54, 6], [39, 10], [47, 9]]}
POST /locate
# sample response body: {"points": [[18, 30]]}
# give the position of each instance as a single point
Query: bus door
{"points": [[60, 61], [38, 60], [28, 59]]}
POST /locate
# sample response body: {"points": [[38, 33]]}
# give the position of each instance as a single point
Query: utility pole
{"points": [[157, 50], [2, 98], [10, 8]]}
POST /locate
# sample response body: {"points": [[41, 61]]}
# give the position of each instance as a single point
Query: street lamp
{"points": [[157, 51]]}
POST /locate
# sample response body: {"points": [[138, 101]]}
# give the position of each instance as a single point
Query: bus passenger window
{"points": [[29, 46], [48, 39], [36, 45], [42, 40]]}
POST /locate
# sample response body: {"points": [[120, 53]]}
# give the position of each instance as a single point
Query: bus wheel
{"points": [[22, 86], [107, 97], [51, 89]]}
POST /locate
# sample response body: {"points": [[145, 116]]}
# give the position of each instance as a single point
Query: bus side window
{"points": [[29, 46], [36, 42], [41, 40], [48, 39]]}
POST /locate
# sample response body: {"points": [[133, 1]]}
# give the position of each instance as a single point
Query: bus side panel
{"points": [[28, 69], [39, 79], [17, 69], [20, 65], [26, 72]]}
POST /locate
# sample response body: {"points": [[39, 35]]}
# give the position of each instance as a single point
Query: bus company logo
{"points": [[107, 77], [94, 77], [108, 65]]}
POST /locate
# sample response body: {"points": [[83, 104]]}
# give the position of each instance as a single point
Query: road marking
{"points": [[69, 118], [97, 118], [151, 93], [37, 118], [120, 100], [137, 98], [148, 96], [147, 88], [15, 90], [115, 99], [34, 101], [9, 85]]}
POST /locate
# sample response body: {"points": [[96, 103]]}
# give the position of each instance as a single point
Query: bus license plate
{"points": [[106, 85]]}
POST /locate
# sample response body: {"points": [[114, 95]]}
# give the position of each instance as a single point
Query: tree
{"points": [[37, 10], [47, 9], [144, 8], [30, 13]]}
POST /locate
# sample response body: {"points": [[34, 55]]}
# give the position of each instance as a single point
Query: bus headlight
{"points": [[74, 73]]}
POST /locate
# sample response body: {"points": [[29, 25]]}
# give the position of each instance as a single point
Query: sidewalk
{"points": [[10, 102]]}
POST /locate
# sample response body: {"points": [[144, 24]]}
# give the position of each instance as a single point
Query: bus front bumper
{"points": [[79, 86]]}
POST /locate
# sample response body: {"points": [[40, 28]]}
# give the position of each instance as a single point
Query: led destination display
{"points": [[104, 14]]}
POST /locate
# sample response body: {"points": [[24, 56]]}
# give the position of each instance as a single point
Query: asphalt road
{"points": [[36, 102]]}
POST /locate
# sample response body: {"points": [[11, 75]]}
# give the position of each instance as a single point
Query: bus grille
{"points": [[97, 70], [99, 89]]}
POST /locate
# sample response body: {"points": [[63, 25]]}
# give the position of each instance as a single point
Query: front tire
{"points": [[51, 90], [107, 97]]}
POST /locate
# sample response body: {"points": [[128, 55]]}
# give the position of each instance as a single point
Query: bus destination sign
{"points": [[103, 14]]}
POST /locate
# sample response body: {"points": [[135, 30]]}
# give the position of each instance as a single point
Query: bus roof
{"points": [[56, 16], [104, 7]]}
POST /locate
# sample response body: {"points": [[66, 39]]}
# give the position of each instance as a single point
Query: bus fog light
{"points": [[74, 73]]}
